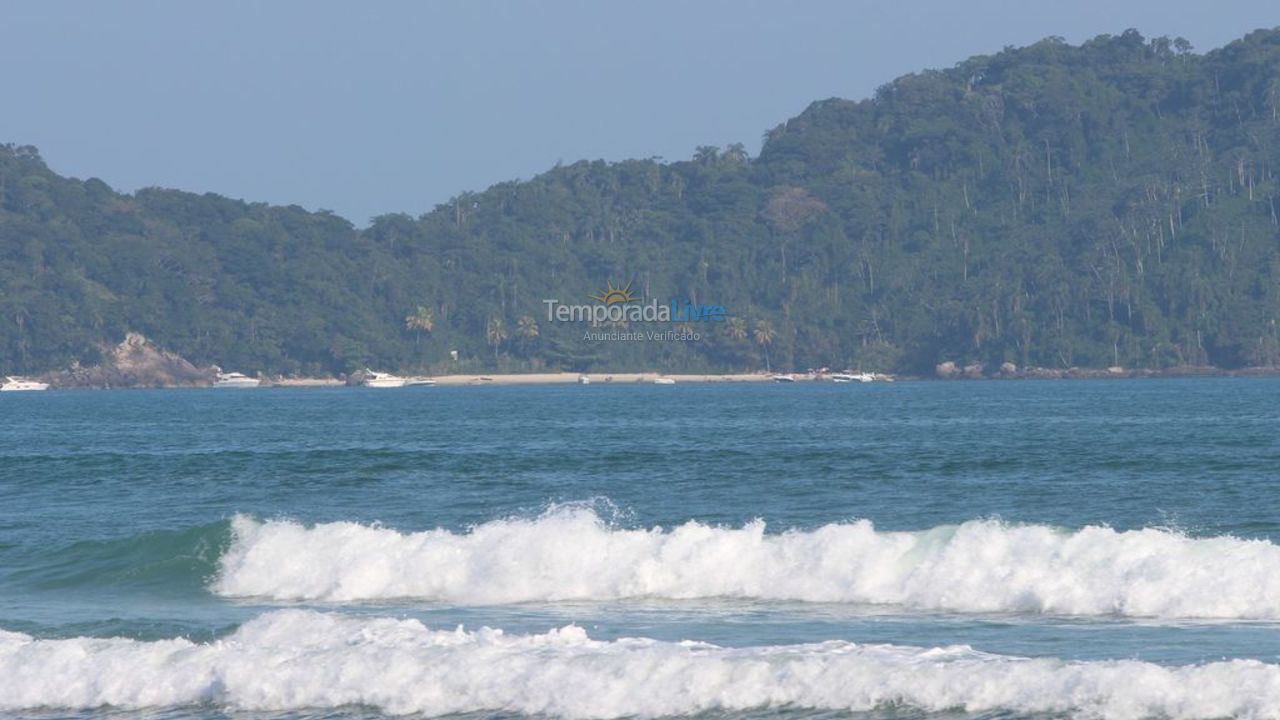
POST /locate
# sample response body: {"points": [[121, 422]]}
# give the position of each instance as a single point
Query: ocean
{"points": [[1101, 549]]}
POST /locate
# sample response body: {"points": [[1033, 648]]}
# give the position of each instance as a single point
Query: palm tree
{"points": [[706, 154], [527, 327], [764, 335], [736, 328], [496, 334], [421, 319], [526, 333]]}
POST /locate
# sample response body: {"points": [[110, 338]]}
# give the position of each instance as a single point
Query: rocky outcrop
{"points": [[1117, 372], [135, 362]]}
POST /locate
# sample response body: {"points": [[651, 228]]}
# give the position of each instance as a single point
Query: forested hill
{"points": [[1113, 203]]}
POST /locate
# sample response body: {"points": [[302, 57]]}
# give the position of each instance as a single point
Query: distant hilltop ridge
{"points": [[1111, 204]]}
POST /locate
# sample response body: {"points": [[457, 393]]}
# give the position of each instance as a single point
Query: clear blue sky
{"points": [[368, 108]]}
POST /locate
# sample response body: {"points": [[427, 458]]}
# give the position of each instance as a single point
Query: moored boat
{"points": [[19, 384], [853, 377], [235, 380], [382, 380]]}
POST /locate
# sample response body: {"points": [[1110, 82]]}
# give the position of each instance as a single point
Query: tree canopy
{"points": [[1112, 203]]}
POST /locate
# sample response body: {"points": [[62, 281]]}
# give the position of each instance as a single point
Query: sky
{"points": [[395, 106]]}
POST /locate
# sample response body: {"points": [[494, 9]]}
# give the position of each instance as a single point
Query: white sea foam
{"points": [[570, 554], [294, 659]]}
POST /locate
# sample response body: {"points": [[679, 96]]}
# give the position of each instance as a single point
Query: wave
{"points": [[571, 554], [296, 659], [158, 560]]}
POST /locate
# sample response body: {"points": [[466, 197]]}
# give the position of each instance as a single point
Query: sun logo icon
{"points": [[613, 294]]}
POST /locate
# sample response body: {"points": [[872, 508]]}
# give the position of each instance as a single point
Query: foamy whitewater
{"points": [[299, 659], [571, 554], [746, 551]]}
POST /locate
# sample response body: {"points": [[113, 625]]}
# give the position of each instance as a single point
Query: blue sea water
{"points": [[1101, 548]]}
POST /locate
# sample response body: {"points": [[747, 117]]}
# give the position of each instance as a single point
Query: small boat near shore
{"points": [[12, 383], [664, 381], [382, 380], [782, 378], [419, 382], [852, 377], [862, 377], [235, 380]]}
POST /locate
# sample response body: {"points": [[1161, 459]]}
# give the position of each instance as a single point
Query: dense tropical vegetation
{"points": [[1112, 203]]}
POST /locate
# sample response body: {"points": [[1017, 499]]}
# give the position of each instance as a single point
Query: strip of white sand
{"points": [[566, 378]]}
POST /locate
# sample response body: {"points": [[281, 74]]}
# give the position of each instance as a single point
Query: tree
{"points": [[764, 335], [790, 208], [527, 327], [496, 334], [526, 332], [706, 154], [420, 320]]}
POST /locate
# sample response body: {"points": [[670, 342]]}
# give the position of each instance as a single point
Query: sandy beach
{"points": [[307, 382], [568, 378]]}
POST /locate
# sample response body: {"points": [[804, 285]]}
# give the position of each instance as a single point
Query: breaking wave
{"points": [[294, 659], [571, 554]]}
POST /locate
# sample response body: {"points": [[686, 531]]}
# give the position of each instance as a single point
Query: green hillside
{"points": [[1112, 203]]}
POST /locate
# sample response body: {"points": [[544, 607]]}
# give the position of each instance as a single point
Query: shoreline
{"points": [[649, 378], [571, 378], [138, 363]]}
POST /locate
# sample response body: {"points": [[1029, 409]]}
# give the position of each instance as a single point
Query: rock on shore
{"points": [[135, 362]]}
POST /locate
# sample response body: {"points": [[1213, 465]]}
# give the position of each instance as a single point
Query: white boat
{"points": [[18, 384], [584, 380], [419, 382], [235, 380], [783, 378], [382, 380], [852, 377], [664, 381]]}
